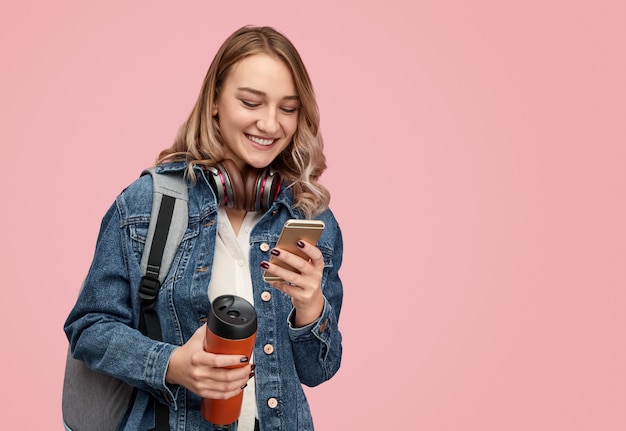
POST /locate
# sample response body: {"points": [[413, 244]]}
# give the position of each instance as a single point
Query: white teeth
{"points": [[260, 141]]}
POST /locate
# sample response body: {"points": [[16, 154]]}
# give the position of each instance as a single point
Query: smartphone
{"points": [[293, 231]]}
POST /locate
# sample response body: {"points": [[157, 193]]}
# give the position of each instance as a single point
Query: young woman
{"points": [[256, 117]]}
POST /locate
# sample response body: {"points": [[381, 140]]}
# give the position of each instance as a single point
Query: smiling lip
{"points": [[264, 142]]}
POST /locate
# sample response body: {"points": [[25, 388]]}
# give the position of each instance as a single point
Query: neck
{"points": [[235, 216]]}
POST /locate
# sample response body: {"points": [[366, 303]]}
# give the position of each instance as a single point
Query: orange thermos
{"points": [[231, 329]]}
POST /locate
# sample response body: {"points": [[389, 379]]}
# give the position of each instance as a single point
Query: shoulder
{"points": [[328, 217], [331, 235], [137, 197]]}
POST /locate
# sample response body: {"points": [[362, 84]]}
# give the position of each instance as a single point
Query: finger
{"points": [[225, 383], [279, 271], [227, 374], [225, 361], [305, 277], [198, 336], [204, 380], [310, 250], [298, 263], [209, 358], [289, 289]]}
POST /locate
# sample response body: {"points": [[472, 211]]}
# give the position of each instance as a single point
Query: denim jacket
{"points": [[102, 326]]}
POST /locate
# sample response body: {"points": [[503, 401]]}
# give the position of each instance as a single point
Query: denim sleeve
{"points": [[317, 347], [100, 327]]}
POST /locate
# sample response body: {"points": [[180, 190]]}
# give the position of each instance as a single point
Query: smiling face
{"points": [[257, 110]]}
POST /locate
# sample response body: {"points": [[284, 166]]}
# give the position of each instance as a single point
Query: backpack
{"points": [[93, 401]]}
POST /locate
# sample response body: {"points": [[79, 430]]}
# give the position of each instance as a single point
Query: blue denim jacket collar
{"points": [[284, 198]]}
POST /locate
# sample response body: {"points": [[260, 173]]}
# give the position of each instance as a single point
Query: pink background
{"points": [[490, 291]]}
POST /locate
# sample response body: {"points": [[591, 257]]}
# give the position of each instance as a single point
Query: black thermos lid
{"points": [[232, 318]]}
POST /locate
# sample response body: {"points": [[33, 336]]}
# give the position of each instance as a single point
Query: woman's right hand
{"points": [[204, 373]]}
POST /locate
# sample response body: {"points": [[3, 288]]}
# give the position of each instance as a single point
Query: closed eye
{"points": [[249, 104], [285, 109], [289, 110]]}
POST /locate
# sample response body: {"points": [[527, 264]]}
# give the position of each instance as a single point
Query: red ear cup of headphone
{"points": [[257, 192], [264, 188], [225, 180]]}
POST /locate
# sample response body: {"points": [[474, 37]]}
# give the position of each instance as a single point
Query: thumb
{"points": [[198, 336]]}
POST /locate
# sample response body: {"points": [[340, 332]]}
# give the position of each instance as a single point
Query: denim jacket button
{"points": [[264, 247], [266, 296], [272, 403], [268, 349]]}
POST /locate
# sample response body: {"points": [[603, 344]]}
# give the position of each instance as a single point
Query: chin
{"points": [[261, 163]]}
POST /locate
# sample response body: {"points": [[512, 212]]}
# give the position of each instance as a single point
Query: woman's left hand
{"points": [[303, 287]]}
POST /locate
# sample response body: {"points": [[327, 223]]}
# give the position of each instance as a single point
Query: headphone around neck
{"points": [[255, 192]]}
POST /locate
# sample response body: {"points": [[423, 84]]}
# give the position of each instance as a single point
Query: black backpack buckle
{"points": [[148, 289]]}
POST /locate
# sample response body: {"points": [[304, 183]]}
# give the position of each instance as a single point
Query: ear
{"points": [[214, 110]]}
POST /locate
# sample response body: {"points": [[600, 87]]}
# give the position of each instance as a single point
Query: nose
{"points": [[268, 123]]}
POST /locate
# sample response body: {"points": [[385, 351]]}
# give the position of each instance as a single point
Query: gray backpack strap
{"points": [[173, 185], [93, 401], [168, 223]]}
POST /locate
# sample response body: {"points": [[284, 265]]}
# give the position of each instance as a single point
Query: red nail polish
{"points": [[265, 265]]}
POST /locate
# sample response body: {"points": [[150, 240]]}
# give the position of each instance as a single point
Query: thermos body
{"points": [[231, 329]]}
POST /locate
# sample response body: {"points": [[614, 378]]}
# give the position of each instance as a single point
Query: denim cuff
{"points": [[156, 369], [319, 328]]}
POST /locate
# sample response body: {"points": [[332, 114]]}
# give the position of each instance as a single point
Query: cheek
{"points": [[291, 127], [234, 119]]}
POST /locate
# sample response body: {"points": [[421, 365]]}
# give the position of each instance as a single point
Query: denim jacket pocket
{"points": [[137, 233]]}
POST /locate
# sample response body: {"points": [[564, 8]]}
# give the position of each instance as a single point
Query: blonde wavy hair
{"points": [[199, 141]]}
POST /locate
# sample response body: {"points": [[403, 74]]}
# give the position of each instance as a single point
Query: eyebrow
{"points": [[262, 93]]}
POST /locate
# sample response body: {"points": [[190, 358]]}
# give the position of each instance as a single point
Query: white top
{"points": [[231, 276]]}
